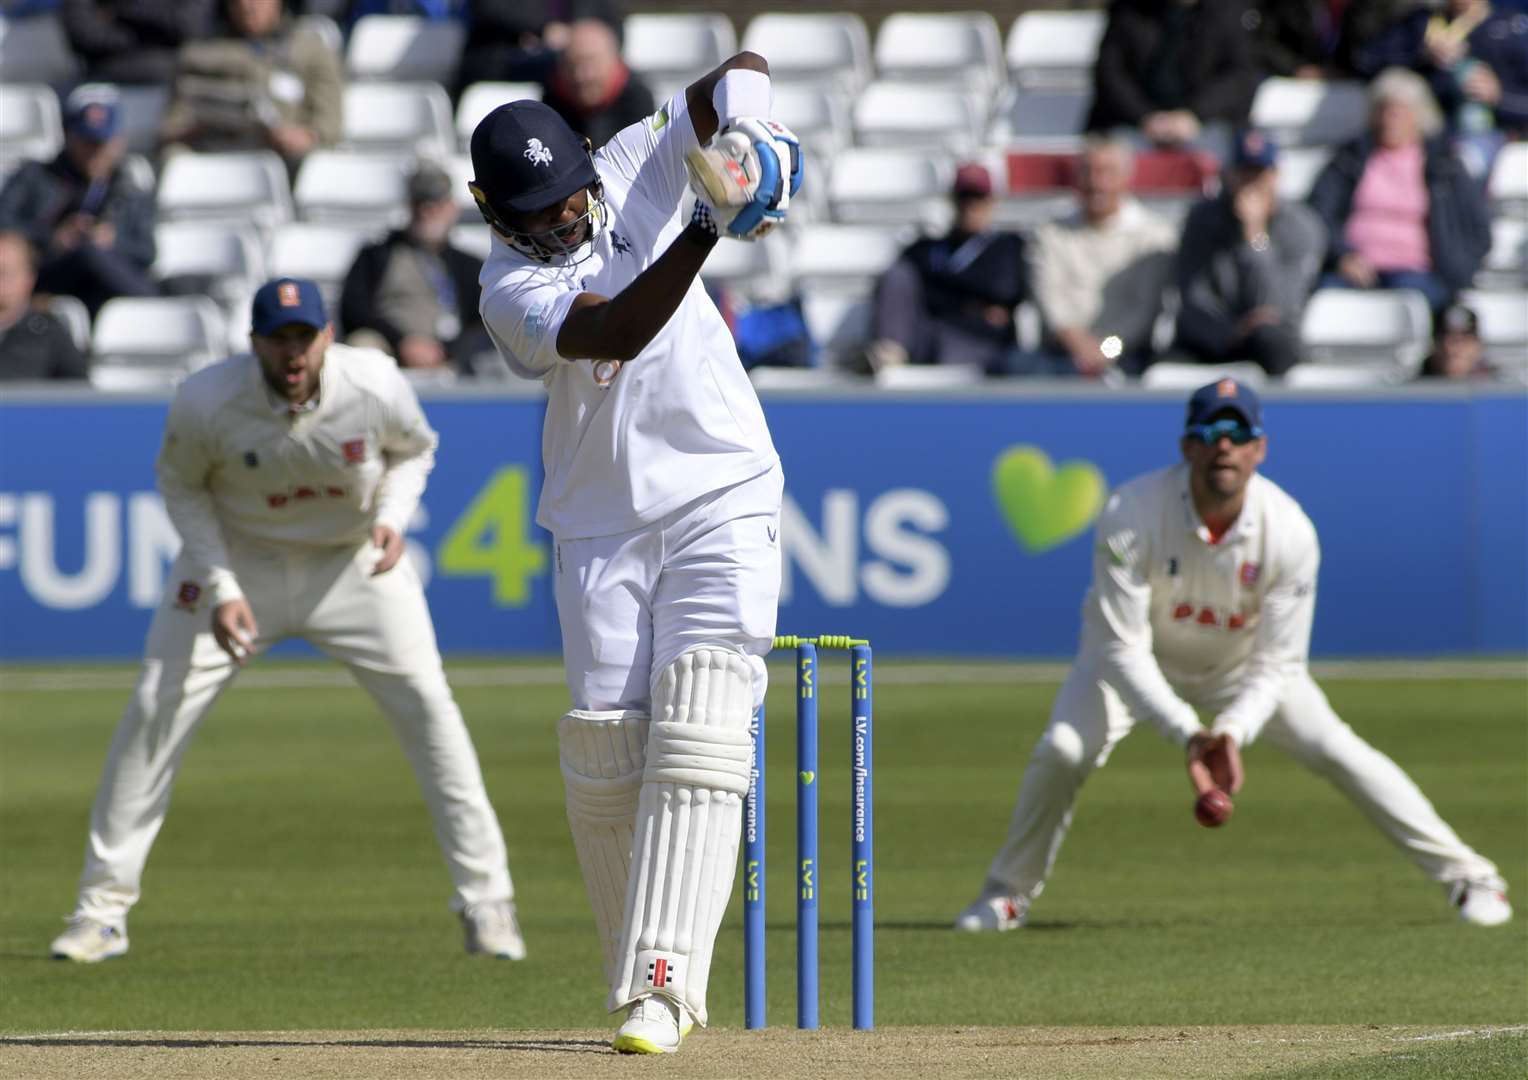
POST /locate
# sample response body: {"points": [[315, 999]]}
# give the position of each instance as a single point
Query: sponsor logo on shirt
{"points": [[187, 595], [355, 451], [1172, 567], [300, 493], [535, 318], [1248, 574], [620, 243], [1208, 616], [660, 119], [251, 459]]}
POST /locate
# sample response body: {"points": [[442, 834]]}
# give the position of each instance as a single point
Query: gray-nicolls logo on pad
{"points": [[537, 153]]}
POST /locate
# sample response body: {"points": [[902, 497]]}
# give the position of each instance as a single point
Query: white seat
{"points": [[1503, 325], [35, 49], [1507, 262], [956, 48], [72, 312], [812, 379], [405, 48], [929, 376], [1041, 118], [844, 259], [1331, 377], [812, 48], [1055, 48], [667, 48], [817, 114], [1373, 327], [364, 189], [482, 98], [142, 109], [30, 126], [460, 168], [475, 240], [1182, 375], [1298, 168], [902, 114], [1509, 178], [838, 324], [167, 336], [399, 117], [242, 187], [758, 272], [228, 256], [322, 252], [871, 185], [1304, 112]]}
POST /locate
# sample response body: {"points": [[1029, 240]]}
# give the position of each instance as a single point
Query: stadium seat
{"points": [[1327, 377], [460, 168], [1503, 322], [926, 377], [809, 380], [758, 272], [221, 260], [1380, 328], [30, 127], [1055, 48], [383, 117], [1185, 375], [1046, 118], [961, 49], [405, 48], [844, 259], [142, 342], [817, 114], [72, 312], [1298, 168], [1508, 185], [1507, 262], [895, 187], [34, 49], [362, 189], [482, 98], [679, 48], [838, 324], [1305, 112], [322, 252], [142, 111], [929, 117], [832, 49], [239, 188], [476, 240]]}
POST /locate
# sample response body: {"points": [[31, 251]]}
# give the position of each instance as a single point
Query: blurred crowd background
{"points": [[1324, 193]]}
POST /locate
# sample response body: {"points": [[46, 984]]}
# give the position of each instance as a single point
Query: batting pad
{"points": [[689, 816], [602, 755]]}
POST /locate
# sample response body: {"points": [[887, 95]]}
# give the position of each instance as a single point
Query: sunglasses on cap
{"points": [[1239, 432]]}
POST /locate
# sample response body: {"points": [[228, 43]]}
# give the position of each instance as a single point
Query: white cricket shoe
{"points": [[89, 941], [493, 929], [1482, 903], [996, 913], [654, 1025]]}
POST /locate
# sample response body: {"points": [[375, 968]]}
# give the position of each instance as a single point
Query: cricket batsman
{"points": [[1204, 589], [290, 474], [662, 493]]}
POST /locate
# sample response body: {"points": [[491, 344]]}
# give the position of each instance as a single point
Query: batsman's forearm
{"points": [[624, 325]]}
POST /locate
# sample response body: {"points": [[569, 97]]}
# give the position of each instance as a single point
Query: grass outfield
{"points": [[296, 885]]}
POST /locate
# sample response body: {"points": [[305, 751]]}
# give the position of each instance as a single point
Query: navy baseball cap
{"points": [[93, 112], [1254, 150], [287, 300], [525, 158], [1226, 395]]}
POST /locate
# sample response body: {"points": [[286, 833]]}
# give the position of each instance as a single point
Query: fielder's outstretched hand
{"points": [[1214, 762], [746, 177]]}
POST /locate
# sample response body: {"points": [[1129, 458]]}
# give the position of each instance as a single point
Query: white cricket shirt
{"points": [[1171, 616], [238, 466], [681, 419]]}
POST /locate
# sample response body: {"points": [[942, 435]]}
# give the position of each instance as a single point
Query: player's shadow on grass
{"points": [[565, 1046]]}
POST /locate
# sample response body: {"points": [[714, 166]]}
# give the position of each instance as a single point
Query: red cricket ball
{"points": [[1213, 808]]}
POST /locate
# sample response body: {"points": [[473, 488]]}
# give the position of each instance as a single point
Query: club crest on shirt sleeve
{"points": [[354, 450]]}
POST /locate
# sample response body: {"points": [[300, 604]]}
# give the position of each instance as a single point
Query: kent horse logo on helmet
{"points": [[537, 154]]}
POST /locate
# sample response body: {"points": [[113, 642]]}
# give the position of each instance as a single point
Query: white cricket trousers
{"points": [[1088, 720], [379, 627]]}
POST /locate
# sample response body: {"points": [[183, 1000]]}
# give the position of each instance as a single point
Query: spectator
{"points": [[133, 41], [1458, 352], [1400, 210], [517, 39], [1246, 265], [1314, 39], [1098, 275], [266, 81], [1475, 58], [590, 86], [33, 345], [89, 211], [950, 300], [1170, 69], [413, 295]]}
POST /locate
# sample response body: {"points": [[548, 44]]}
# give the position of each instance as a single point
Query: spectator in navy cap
{"points": [[89, 211], [950, 300], [1458, 352], [1246, 265]]}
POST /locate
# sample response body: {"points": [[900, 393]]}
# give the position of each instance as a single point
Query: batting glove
{"points": [[747, 176]]}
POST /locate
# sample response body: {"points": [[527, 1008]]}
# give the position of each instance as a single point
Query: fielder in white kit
{"points": [[662, 492], [290, 474], [1204, 589]]}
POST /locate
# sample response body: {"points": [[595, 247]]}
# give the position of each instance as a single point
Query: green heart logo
{"points": [[807, 777], [1046, 505]]}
